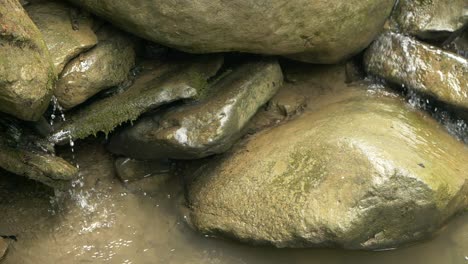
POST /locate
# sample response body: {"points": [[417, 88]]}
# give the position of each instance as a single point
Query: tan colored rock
{"points": [[56, 25], [360, 169], [325, 31], [106, 65], [160, 83], [419, 66], [208, 127], [27, 74]]}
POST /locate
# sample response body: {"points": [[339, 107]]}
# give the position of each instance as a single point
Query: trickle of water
{"points": [[455, 126]]}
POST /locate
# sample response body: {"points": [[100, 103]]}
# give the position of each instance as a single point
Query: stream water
{"points": [[99, 221]]}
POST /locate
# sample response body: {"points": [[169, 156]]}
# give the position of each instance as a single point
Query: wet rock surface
{"points": [[207, 127], [359, 169], [26, 72], [24, 153], [106, 65], [56, 25], [419, 66], [3, 248], [161, 83], [143, 176], [323, 32], [430, 18]]}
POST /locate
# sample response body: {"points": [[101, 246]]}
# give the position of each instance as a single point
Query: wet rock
{"points": [[106, 65], [26, 71], [143, 176], [424, 68], [3, 248], [24, 153], [430, 18], [158, 84], [55, 23], [208, 127], [359, 170], [459, 43], [288, 102], [323, 32]]}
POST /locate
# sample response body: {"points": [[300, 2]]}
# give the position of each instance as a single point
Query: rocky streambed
{"points": [[152, 131]]}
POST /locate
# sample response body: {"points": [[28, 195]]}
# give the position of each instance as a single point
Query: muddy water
{"points": [[99, 221]]}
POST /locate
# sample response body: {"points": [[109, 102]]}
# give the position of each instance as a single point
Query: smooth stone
{"points": [[326, 31], [208, 127], [419, 66], [160, 83], [24, 153], [27, 74], [360, 169], [142, 175], [104, 66], [3, 248], [430, 19], [55, 23]]}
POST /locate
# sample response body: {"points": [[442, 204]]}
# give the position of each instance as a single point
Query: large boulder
{"points": [[430, 18], [27, 74], [106, 65], [361, 169], [159, 83], [64, 42], [321, 31], [208, 127], [419, 66]]}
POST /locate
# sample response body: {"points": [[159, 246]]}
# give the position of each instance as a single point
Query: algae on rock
{"points": [[161, 84], [27, 74], [209, 126]]}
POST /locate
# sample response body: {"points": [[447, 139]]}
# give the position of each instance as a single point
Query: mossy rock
{"points": [[161, 83], [209, 126], [27, 74]]}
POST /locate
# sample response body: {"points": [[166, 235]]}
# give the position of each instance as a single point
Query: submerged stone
{"points": [[159, 84], [430, 18], [27, 74], [106, 65], [63, 41], [424, 68], [24, 153], [359, 169], [143, 176], [323, 32], [208, 127]]}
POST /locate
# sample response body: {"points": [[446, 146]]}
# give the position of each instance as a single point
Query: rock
{"points": [[106, 65], [431, 18], [359, 170], [288, 102], [159, 84], [26, 154], [26, 71], [143, 176], [326, 31], [208, 127], [3, 248], [459, 43], [427, 69], [55, 23]]}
